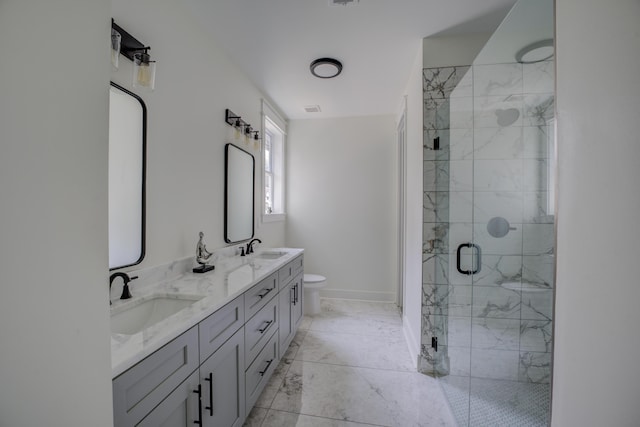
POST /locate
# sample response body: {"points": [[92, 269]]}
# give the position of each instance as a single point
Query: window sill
{"points": [[273, 217]]}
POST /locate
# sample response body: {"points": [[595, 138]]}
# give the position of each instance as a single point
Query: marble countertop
{"points": [[230, 279]]}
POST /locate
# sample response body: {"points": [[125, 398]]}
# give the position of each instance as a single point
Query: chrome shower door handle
{"points": [[478, 263]]}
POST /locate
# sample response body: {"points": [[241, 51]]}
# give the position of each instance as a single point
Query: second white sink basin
{"points": [[141, 313], [271, 255]]}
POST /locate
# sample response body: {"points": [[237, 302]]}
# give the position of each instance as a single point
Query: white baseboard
{"points": [[410, 338], [359, 295]]}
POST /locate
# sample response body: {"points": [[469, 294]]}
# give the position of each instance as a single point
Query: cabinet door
{"points": [[222, 381], [179, 409], [297, 302], [285, 325]]}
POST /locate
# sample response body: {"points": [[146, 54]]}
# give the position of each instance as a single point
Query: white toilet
{"points": [[312, 285]]}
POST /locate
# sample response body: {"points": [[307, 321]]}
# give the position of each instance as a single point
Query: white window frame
{"points": [[269, 115]]}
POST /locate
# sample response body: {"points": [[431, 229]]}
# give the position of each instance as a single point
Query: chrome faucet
{"points": [[250, 246], [126, 294]]}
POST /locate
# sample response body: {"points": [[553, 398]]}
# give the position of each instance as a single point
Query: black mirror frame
{"points": [[226, 193], [144, 177]]}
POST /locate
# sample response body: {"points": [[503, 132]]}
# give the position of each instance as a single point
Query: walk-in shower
{"points": [[488, 232]]}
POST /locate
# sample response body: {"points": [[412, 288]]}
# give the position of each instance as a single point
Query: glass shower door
{"points": [[488, 302]]}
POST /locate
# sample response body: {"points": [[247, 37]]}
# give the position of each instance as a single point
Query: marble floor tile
{"points": [[306, 323], [255, 417], [272, 387], [381, 397], [357, 323], [355, 306], [289, 419], [295, 344], [365, 351]]}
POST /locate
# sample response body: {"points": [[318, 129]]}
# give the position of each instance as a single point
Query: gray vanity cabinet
{"points": [[222, 381], [290, 303], [139, 390]]}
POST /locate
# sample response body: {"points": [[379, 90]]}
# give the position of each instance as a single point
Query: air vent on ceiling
{"points": [[312, 108], [343, 2]]}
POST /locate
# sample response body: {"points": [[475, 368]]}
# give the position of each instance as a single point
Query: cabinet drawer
{"points": [[259, 329], [220, 326], [260, 371], [140, 389], [259, 295], [289, 271]]}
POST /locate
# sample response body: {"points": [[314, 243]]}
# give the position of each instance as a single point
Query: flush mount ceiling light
{"points": [[326, 68], [536, 52]]}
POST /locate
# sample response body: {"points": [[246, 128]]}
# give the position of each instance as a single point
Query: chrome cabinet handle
{"points": [[478, 262]]}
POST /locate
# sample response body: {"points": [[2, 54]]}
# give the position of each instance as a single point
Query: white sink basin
{"points": [[141, 313], [270, 255]]}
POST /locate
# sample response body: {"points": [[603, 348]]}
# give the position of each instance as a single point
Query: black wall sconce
{"points": [[241, 127], [144, 69]]}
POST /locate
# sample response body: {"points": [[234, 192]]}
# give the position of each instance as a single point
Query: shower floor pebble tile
{"points": [[350, 367]]}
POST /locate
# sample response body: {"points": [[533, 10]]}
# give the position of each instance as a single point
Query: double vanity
{"points": [[199, 348]]}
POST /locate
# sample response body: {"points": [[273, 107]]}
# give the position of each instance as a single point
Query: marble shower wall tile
{"points": [[459, 233], [498, 143], [429, 145], [459, 360], [497, 79], [535, 367], [461, 144], [535, 335], [461, 113], [537, 304], [460, 206], [435, 239], [436, 114], [538, 109], [495, 364], [536, 208], [435, 268], [498, 269], [497, 175], [435, 175], [538, 270], [451, 300], [436, 206], [503, 204], [495, 302], [496, 334], [442, 82], [460, 176], [535, 142], [538, 77], [538, 239], [506, 245], [498, 111], [535, 174]]}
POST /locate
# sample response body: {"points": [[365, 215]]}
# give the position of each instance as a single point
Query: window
{"points": [[273, 155]]}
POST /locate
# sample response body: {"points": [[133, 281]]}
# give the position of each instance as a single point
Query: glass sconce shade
{"points": [[144, 71], [116, 40]]}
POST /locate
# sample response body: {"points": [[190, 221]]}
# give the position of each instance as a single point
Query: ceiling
{"points": [[274, 41]]}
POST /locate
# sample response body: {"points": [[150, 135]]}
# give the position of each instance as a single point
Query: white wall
{"points": [[597, 338], [412, 304], [195, 83], [55, 365], [448, 51], [341, 203]]}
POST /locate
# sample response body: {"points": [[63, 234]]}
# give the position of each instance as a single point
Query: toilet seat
{"points": [[314, 281]]}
